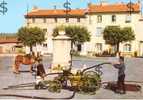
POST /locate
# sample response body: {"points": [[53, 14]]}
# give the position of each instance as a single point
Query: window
{"points": [[78, 19], [56, 20], [79, 47], [44, 20], [33, 20], [127, 47], [128, 19], [99, 47], [98, 31], [99, 19], [113, 18], [44, 45], [13, 48], [67, 19]]}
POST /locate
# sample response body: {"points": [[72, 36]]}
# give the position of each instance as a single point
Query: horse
{"points": [[23, 59]]}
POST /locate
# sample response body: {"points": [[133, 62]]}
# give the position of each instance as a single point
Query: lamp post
{"points": [[68, 9], [129, 5]]}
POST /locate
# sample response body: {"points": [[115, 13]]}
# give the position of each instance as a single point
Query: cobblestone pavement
{"points": [[134, 72]]}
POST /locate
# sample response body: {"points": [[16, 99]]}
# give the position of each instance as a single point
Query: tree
{"points": [[114, 35], [30, 36], [78, 34]]}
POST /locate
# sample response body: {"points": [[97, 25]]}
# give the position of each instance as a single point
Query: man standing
{"points": [[121, 75]]}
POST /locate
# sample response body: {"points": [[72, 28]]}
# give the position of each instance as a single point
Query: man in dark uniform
{"points": [[121, 75], [40, 68], [40, 74]]}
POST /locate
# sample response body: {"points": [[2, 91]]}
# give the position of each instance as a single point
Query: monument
{"points": [[61, 52]]}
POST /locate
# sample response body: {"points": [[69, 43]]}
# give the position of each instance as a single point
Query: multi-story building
{"points": [[95, 17]]}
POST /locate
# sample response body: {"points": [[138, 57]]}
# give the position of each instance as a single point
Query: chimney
{"points": [[35, 8], [103, 2], [89, 4], [55, 8]]}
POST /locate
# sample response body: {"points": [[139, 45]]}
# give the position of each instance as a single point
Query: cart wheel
{"points": [[54, 86], [96, 77], [91, 82]]}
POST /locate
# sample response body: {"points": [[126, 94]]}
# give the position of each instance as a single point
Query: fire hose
{"points": [[36, 97]]}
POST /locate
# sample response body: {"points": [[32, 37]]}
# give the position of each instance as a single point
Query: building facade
{"points": [[95, 17], [10, 45]]}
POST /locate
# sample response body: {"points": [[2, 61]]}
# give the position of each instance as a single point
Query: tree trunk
{"points": [[71, 54], [31, 49], [117, 49]]}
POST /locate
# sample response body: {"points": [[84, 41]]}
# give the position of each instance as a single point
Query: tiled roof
{"points": [[57, 12], [8, 40], [114, 8], [92, 8]]}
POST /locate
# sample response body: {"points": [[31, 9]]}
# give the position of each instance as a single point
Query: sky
{"points": [[14, 18]]}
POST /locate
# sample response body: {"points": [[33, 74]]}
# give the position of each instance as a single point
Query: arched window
{"points": [[127, 47]]}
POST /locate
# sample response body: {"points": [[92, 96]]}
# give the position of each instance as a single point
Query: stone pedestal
{"points": [[61, 51]]}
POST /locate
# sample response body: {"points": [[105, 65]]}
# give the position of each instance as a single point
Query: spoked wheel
{"points": [[54, 86], [91, 82]]}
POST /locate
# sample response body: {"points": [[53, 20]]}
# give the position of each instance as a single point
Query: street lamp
{"points": [[130, 6], [68, 9]]}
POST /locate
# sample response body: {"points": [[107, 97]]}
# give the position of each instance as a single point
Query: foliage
{"points": [[30, 36], [114, 35], [20, 50], [128, 34], [135, 53], [75, 53], [104, 54], [77, 33]]}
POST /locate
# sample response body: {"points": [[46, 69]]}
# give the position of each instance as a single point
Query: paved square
{"points": [[134, 72]]}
